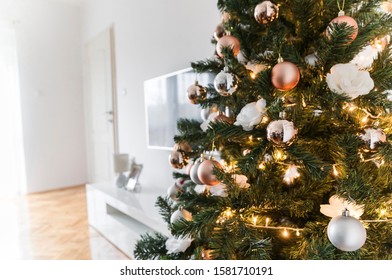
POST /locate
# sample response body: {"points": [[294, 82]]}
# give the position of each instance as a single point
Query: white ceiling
{"points": [[71, 2]]}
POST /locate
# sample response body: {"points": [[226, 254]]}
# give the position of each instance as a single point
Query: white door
{"points": [[100, 107]]}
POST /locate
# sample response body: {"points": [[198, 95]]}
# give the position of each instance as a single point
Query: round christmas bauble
{"points": [[205, 172], [219, 32], [347, 20], [281, 132], [177, 159], [173, 191], [228, 41], [225, 83], [193, 173], [285, 76], [266, 12], [196, 92], [346, 233], [222, 118], [182, 147], [206, 112], [180, 214]]}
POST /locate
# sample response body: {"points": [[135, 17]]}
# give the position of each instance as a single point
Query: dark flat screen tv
{"points": [[166, 101]]}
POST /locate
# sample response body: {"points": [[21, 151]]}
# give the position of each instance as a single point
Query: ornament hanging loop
{"points": [[341, 8]]}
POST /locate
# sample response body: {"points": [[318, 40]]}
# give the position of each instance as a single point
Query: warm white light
{"points": [[335, 171], [365, 119], [291, 174], [254, 220], [297, 233], [252, 75], [262, 166], [267, 220], [285, 233]]}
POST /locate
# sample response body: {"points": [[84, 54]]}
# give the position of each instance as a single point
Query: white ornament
{"points": [[177, 245], [337, 205], [291, 174], [241, 181], [365, 58], [206, 124], [317, 113], [225, 83], [311, 59], [251, 114], [255, 68], [241, 58], [219, 190], [180, 214], [346, 233], [172, 192], [389, 94], [347, 79], [199, 189], [373, 136]]}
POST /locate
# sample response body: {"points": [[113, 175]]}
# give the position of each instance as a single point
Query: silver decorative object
{"points": [[346, 233], [281, 132], [172, 192], [225, 82], [266, 12], [193, 173]]}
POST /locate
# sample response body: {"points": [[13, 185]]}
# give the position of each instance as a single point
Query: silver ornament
{"points": [[281, 132], [206, 112], [180, 214], [225, 83], [173, 191], [266, 12], [346, 233], [193, 173]]}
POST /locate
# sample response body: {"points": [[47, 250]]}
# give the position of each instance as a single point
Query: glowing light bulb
{"points": [[254, 220], [252, 75], [297, 233], [335, 171], [264, 120], [262, 166], [291, 174], [285, 233], [383, 212], [267, 220], [365, 119], [250, 138]]}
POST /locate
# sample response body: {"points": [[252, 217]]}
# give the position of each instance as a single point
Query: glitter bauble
{"points": [[205, 172], [196, 92], [228, 41], [266, 12], [285, 76]]}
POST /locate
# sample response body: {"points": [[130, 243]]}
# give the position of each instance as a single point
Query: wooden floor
{"points": [[51, 226]]}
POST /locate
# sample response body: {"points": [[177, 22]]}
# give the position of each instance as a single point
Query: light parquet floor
{"points": [[51, 226]]}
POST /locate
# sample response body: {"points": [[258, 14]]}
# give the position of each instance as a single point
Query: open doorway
{"points": [[12, 168]]}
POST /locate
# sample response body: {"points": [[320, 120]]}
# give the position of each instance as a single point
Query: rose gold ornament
{"points": [[196, 92], [222, 118], [228, 41], [285, 76], [219, 32], [266, 12], [343, 19], [205, 172]]}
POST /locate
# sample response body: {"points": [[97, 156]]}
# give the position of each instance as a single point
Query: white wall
{"points": [[50, 64], [152, 38]]}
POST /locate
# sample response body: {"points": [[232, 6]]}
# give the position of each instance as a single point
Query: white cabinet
{"points": [[121, 216]]}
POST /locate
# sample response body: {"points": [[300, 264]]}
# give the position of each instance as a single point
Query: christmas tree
{"points": [[294, 157]]}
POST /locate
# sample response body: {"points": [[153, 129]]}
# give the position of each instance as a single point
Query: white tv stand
{"points": [[121, 216]]}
